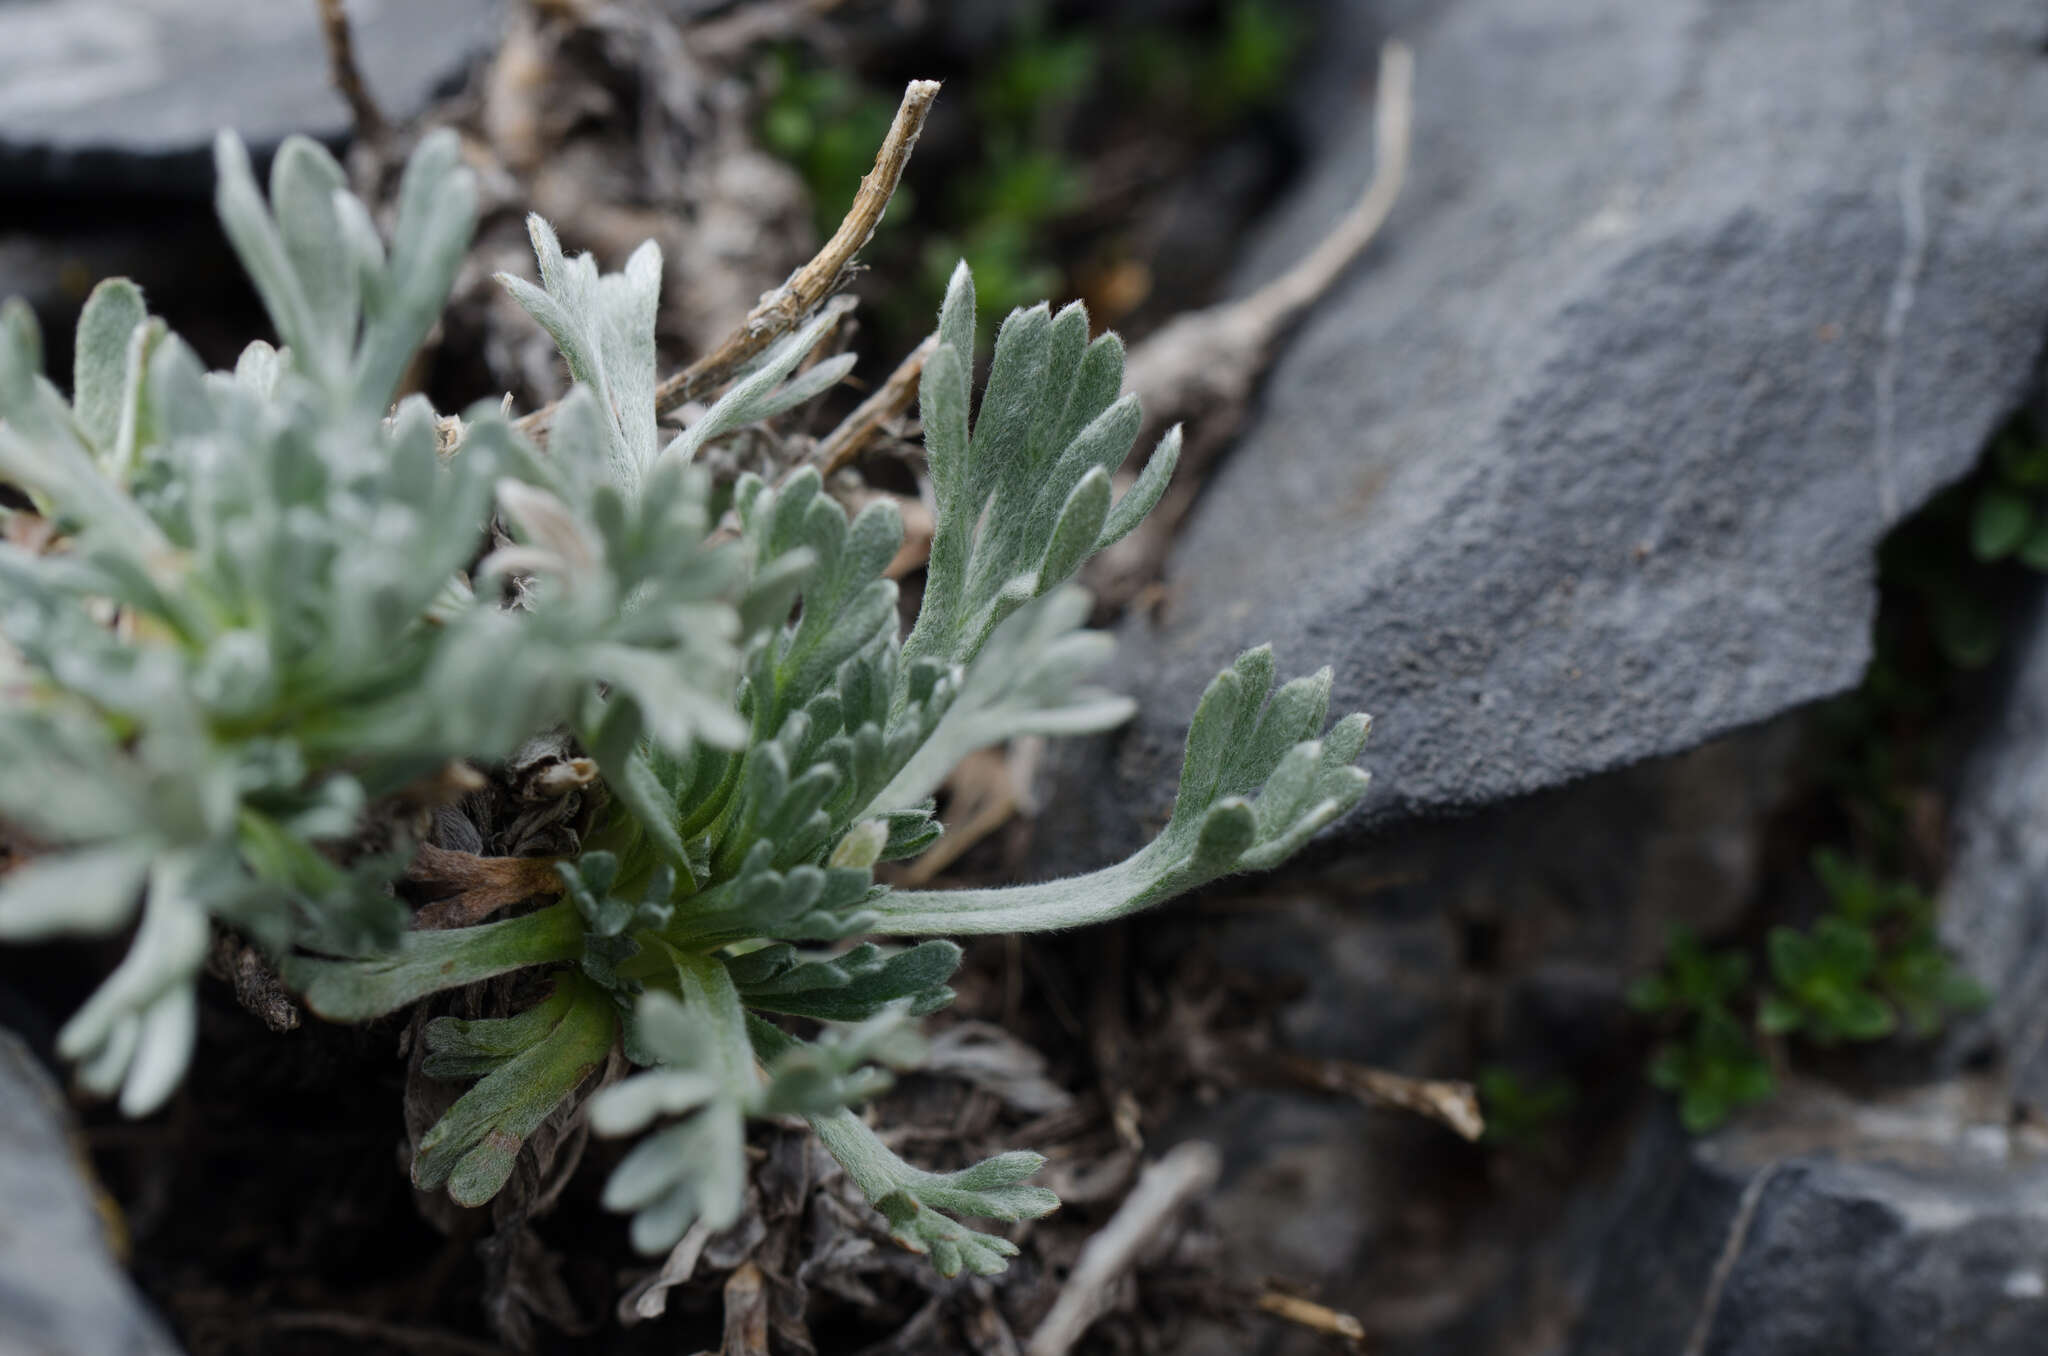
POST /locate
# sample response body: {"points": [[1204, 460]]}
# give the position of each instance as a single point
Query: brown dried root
{"points": [[1199, 369]]}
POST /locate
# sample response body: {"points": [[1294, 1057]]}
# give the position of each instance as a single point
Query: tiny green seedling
{"points": [[1520, 1110], [1711, 1061], [1824, 984], [1872, 960], [1715, 1070]]}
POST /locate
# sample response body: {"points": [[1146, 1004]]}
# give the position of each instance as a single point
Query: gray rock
{"points": [[1826, 1228], [1995, 900], [1502, 938], [127, 94], [1685, 305], [61, 1294]]}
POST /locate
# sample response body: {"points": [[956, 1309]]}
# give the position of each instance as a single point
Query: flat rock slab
{"points": [[61, 1293], [1831, 1230], [1685, 305], [127, 94]]}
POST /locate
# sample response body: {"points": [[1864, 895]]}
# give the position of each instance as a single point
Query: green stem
{"points": [[707, 990], [866, 1159], [1077, 901]]}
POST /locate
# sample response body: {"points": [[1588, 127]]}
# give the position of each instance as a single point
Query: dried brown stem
{"points": [[1283, 298], [1199, 369], [1185, 1172], [1448, 1102], [1315, 1317], [888, 402], [347, 76], [784, 308]]}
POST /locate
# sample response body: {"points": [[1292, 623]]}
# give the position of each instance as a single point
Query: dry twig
{"points": [[1315, 1317], [1448, 1102], [888, 402], [784, 308], [1184, 1173], [1199, 369], [347, 76]]}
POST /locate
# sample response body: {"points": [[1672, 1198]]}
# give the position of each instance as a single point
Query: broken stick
{"points": [[784, 308], [889, 401], [1185, 1172]]}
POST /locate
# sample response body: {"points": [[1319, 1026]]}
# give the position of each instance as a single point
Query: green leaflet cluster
{"points": [[1870, 963], [277, 602], [247, 636]]}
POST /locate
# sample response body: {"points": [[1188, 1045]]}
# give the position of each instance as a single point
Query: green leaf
{"points": [[1999, 522], [1651, 993], [1848, 951], [530, 1064], [861, 983], [912, 1199], [1795, 960], [1702, 1108], [694, 1170], [2033, 551], [100, 374], [1238, 744], [137, 1030], [1864, 1016], [1030, 680], [428, 962], [1023, 497], [760, 393], [2022, 456], [1779, 1015], [822, 1077], [604, 327], [90, 890]]}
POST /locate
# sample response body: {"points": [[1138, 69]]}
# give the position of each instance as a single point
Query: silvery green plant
{"points": [[274, 602]]}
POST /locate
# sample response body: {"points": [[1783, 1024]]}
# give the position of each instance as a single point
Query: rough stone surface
{"points": [[60, 1292], [1995, 900], [1686, 303], [129, 93], [1827, 1228], [1505, 938]]}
